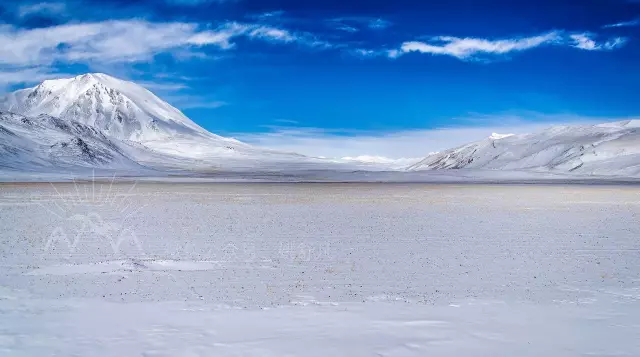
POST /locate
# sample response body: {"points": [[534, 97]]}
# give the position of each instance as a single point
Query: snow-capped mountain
{"points": [[604, 149], [120, 109], [127, 120]]}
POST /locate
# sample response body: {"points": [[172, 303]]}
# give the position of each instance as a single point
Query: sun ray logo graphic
{"points": [[93, 213]]}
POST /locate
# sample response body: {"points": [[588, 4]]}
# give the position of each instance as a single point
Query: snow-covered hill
{"points": [[604, 149], [118, 108], [128, 122]]}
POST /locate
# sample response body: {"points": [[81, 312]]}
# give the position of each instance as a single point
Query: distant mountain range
{"points": [[604, 149], [97, 121]]}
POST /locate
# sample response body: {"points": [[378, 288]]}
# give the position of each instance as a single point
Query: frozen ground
{"points": [[230, 269]]}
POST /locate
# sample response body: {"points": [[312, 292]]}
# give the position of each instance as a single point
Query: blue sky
{"points": [[345, 78]]}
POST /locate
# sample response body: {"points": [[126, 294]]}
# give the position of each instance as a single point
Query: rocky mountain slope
{"points": [[44, 142]]}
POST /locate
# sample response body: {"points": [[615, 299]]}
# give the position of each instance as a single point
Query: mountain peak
{"points": [[496, 136], [94, 77], [91, 76], [121, 109], [83, 79]]}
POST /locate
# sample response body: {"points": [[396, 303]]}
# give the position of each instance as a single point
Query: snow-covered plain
{"points": [[203, 269]]}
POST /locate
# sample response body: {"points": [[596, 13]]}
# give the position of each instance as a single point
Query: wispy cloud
{"points": [[213, 104], [162, 86], [357, 23], [469, 48], [269, 15], [125, 41], [369, 53], [272, 34], [363, 52], [48, 8], [585, 41], [631, 23], [286, 121], [30, 75], [378, 24], [189, 101], [32, 55], [346, 28], [278, 35], [128, 40], [466, 48]]}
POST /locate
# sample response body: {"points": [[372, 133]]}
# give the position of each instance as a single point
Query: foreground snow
{"points": [[201, 269], [97, 328]]}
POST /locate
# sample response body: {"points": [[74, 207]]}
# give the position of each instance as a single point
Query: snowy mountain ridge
{"points": [[602, 149]]}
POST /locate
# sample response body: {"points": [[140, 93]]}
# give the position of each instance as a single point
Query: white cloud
{"points": [[272, 34], [368, 53], [346, 28], [402, 144], [631, 23], [614, 43], [363, 52], [30, 55], [162, 86], [268, 15], [465, 48], [49, 8], [394, 53], [126, 40], [221, 36], [188, 101], [213, 104], [12, 76], [355, 23], [108, 41], [585, 41], [277, 35], [379, 24], [474, 48]]}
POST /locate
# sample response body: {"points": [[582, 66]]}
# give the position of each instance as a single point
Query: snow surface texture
{"points": [[605, 149], [319, 270]]}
